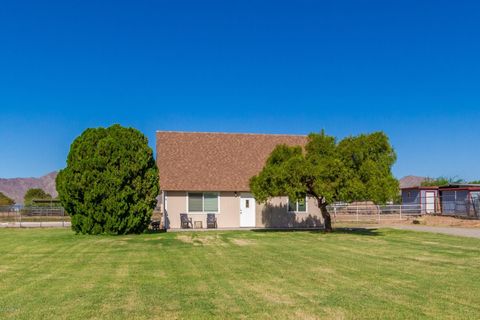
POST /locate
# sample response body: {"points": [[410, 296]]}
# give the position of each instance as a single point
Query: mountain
{"points": [[15, 188], [411, 181]]}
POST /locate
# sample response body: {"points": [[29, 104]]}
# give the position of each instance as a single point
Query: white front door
{"points": [[247, 210], [429, 202]]}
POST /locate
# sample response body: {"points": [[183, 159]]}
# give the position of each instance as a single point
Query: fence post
{"points": [[357, 212], [400, 212]]}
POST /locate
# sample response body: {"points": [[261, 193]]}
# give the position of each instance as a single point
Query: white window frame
{"points": [[203, 202], [296, 206]]}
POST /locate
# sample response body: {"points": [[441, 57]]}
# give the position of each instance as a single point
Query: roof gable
{"points": [[193, 161], [411, 182]]}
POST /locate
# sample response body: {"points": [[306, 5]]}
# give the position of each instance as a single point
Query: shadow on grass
{"points": [[150, 231], [355, 231], [359, 231], [314, 230]]}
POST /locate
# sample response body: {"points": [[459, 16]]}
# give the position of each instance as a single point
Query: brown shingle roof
{"points": [[411, 181], [193, 161]]}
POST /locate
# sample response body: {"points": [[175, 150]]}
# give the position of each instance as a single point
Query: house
{"points": [[418, 199], [207, 175]]}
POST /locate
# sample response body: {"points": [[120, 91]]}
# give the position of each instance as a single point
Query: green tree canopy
{"points": [[110, 184], [35, 194], [5, 201], [354, 169]]}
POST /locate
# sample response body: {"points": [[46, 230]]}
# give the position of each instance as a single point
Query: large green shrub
{"points": [[110, 184]]}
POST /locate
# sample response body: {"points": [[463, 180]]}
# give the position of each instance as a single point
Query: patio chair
{"points": [[211, 221], [185, 221]]}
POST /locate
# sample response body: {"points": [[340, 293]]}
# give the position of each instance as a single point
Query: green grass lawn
{"points": [[382, 274]]}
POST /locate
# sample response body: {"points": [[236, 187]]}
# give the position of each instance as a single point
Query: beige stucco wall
{"points": [[174, 204], [228, 216], [273, 214]]}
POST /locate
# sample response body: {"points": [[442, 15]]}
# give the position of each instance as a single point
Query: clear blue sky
{"points": [[409, 68]]}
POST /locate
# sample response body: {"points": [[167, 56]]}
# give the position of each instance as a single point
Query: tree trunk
{"points": [[322, 205], [327, 219]]}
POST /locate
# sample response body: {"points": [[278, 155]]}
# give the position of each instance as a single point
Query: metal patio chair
{"points": [[211, 221], [185, 221]]}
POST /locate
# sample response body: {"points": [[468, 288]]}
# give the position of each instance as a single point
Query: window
{"points": [[195, 202], [210, 202], [297, 206], [202, 202], [302, 205]]}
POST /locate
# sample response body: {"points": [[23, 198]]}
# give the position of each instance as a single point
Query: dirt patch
{"points": [[427, 220], [153, 239], [88, 285], [329, 313], [334, 313], [441, 221], [203, 240], [431, 242], [243, 242], [323, 270], [186, 239], [3, 269], [210, 239], [270, 294]]}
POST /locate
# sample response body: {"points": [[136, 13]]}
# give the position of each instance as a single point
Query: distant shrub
{"points": [[110, 184], [35, 194], [5, 201], [441, 181]]}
